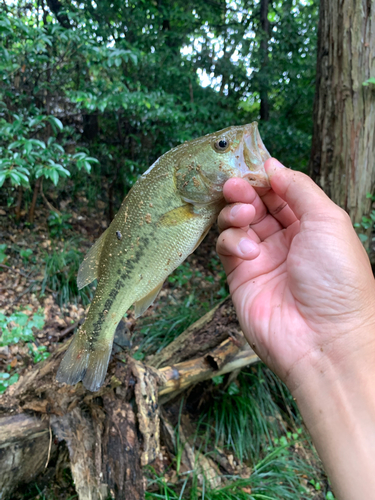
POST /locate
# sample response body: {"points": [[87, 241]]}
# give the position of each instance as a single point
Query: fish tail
{"points": [[85, 361]]}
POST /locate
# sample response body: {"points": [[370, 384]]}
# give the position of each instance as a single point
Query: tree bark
{"points": [[263, 76], [343, 146], [34, 200], [19, 203]]}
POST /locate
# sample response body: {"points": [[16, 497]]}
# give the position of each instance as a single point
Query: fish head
{"points": [[205, 164]]}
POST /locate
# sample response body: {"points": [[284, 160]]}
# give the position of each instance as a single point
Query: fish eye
{"points": [[221, 145]]}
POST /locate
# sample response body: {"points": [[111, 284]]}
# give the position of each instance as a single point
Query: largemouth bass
{"points": [[161, 221]]}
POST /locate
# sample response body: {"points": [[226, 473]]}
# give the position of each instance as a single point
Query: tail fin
{"points": [[86, 363]]}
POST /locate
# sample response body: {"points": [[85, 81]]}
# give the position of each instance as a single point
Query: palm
{"points": [[288, 296], [264, 295]]}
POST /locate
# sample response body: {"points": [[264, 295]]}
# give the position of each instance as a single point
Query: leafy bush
{"points": [[18, 327], [58, 224]]}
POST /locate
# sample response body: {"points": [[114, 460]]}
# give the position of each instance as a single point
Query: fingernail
{"points": [[246, 246], [277, 164], [235, 210]]}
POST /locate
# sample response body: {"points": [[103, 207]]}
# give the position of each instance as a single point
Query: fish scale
{"points": [[161, 221]]}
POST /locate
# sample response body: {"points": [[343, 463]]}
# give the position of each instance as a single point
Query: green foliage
{"points": [[125, 82], [367, 223], [25, 254], [18, 327], [276, 477], [3, 255], [39, 353], [369, 81], [183, 274], [160, 330], [7, 380], [24, 157], [58, 224], [246, 415], [60, 274]]}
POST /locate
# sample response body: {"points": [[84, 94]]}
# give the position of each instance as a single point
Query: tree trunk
{"points": [[263, 76], [343, 146], [112, 433], [19, 203], [33, 201]]}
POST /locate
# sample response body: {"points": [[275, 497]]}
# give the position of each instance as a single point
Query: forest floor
{"points": [[248, 423]]}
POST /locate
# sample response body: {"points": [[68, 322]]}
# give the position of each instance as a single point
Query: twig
{"points": [[49, 205], [69, 329], [28, 289], [22, 273], [49, 447]]}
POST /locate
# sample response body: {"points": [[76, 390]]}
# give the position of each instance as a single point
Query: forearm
{"points": [[338, 407]]}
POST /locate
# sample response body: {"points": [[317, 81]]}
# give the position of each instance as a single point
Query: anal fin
{"points": [[141, 305]]}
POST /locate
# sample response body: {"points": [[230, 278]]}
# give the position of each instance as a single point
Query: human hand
{"points": [[299, 277]]}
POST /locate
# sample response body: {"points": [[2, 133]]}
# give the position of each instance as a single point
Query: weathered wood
{"points": [[77, 430], [25, 443], [225, 358], [200, 337], [121, 452], [343, 145]]}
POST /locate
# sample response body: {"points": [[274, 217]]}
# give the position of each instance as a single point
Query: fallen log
{"points": [[25, 442], [100, 429], [225, 358]]}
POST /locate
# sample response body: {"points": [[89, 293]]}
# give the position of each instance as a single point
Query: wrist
{"points": [[337, 403]]}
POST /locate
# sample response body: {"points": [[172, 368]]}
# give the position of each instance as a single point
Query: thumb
{"points": [[297, 189]]}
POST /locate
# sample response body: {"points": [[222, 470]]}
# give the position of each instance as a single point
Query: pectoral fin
{"points": [[178, 215], [141, 305], [89, 269]]}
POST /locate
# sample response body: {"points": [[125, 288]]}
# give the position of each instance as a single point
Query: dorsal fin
{"points": [[88, 270]]}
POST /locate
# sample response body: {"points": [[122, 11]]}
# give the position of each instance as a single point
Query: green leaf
{"points": [[56, 123], [218, 380], [367, 82], [2, 178], [233, 389], [20, 318], [13, 379], [54, 176], [15, 178]]}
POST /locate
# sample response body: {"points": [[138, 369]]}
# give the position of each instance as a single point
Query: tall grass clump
{"points": [[60, 275]]}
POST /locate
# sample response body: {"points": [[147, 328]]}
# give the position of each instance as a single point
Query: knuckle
{"points": [[343, 215]]}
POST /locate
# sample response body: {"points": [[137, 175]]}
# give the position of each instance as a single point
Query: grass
{"points": [[250, 413], [186, 303], [277, 476], [256, 420], [172, 319], [60, 274]]}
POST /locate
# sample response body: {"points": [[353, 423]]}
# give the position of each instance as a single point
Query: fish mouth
{"points": [[255, 154]]}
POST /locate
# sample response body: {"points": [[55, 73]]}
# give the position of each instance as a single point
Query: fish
{"points": [[162, 220]]}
